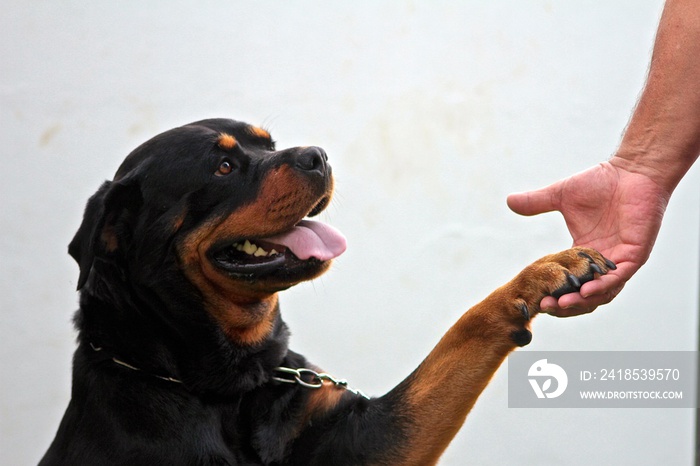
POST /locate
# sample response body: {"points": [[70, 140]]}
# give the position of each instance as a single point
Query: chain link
{"points": [[315, 379]]}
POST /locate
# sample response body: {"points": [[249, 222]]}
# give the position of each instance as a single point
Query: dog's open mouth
{"points": [[306, 242]]}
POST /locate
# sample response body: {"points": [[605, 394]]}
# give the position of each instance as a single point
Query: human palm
{"points": [[607, 208]]}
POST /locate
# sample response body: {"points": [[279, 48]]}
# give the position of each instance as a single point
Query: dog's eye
{"points": [[225, 167]]}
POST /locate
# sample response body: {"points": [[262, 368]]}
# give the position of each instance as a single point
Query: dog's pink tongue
{"points": [[312, 239]]}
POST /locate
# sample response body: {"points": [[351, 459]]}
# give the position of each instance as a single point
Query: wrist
{"points": [[662, 166]]}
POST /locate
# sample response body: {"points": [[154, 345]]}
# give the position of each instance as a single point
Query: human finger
{"points": [[576, 305], [534, 202], [592, 294], [601, 286]]}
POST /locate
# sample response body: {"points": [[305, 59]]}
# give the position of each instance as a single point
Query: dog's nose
{"points": [[311, 159]]}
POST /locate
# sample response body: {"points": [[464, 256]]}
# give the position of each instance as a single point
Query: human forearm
{"points": [[662, 139]]}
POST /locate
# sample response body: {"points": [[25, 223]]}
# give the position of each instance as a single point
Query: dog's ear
{"points": [[102, 224]]}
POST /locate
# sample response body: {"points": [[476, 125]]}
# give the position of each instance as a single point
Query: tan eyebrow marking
{"points": [[226, 141], [259, 132]]}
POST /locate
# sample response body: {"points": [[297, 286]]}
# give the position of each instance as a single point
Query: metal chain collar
{"points": [[314, 379], [134, 368]]}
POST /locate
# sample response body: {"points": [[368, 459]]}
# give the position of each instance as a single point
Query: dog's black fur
{"points": [[180, 335]]}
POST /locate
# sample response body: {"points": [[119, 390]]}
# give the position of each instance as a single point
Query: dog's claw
{"points": [[524, 311], [585, 255], [573, 284], [573, 281], [611, 265], [595, 267]]}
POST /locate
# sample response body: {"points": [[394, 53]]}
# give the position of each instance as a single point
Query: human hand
{"points": [[608, 208]]}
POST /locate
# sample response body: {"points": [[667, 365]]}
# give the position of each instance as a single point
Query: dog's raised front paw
{"points": [[553, 275]]}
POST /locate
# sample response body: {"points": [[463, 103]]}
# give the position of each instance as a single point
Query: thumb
{"points": [[535, 202]]}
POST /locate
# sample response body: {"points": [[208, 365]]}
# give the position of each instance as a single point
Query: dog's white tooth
{"points": [[274, 252], [249, 248], [239, 246], [260, 252]]}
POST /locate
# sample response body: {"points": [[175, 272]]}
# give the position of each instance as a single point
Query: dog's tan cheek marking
{"points": [[242, 320], [188, 248], [226, 141], [248, 324], [281, 200], [246, 312]]}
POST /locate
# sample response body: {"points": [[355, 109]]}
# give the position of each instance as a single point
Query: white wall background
{"points": [[431, 112]]}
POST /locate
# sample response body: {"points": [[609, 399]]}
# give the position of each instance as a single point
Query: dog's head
{"points": [[214, 206]]}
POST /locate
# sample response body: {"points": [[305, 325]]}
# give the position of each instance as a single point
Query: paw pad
{"points": [[521, 337]]}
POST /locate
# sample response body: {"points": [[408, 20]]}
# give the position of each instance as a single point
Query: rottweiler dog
{"points": [[182, 354]]}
